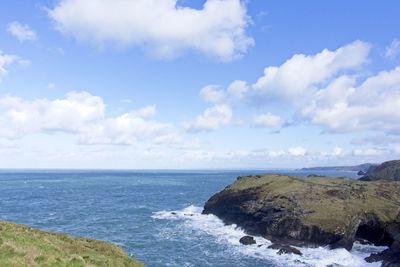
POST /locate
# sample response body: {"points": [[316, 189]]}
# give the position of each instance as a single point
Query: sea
{"points": [[155, 216]]}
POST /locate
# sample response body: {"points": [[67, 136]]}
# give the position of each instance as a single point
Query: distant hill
{"points": [[362, 168], [389, 170]]}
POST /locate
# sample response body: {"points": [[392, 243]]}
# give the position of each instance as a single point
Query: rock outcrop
{"points": [[311, 211], [22, 246], [389, 170]]}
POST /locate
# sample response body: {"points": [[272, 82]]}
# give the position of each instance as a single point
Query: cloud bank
{"points": [[211, 119], [330, 89], [217, 30], [78, 113]]}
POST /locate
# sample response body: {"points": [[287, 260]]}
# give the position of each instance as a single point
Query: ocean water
{"points": [[155, 216]]}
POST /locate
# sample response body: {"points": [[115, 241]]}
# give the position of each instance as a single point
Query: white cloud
{"points": [[146, 112], [268, 120], [393, 49], [377, 139], [212, 93], [211, 119], [218, 29], [338, 151], [125, 129], [238, 89], [5, 61], [169, 139], [71, 114], [368, 152], [194, 144], [329, 89], [21, 31], [299, 75], [78, 113], [297, 151], [276, 153], [373, 105], [298, 82]]}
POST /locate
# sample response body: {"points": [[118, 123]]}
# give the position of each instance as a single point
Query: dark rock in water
{"points": [[389, 170], [313, 175], [315, 211], [395, 247], [389, 257], [361, 173], [285, 249], [247, 240]]}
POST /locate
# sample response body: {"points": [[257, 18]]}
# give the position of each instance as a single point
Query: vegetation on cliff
{"points": [[23, 246]]}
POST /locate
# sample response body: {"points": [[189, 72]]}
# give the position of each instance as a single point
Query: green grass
{"points": [[330, 203], [23, 246]]}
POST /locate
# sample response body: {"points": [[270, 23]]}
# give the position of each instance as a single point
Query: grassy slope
{"points": [[332, 203], [23, 246]]}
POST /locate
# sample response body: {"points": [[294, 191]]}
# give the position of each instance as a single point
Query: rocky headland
{"points": [[389, 171], [22, 246], [314, 211]]}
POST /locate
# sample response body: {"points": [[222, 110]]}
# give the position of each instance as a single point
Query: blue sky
{"points": [[198, 84]]}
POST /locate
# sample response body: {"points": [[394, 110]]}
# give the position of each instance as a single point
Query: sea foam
{"points": [[229, 235]]}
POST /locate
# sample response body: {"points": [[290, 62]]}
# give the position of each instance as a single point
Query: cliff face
{"points": [[23, 246], [311, 211], [389, 170]]}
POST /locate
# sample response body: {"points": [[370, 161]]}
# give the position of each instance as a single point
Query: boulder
{"points": [[285, 249], [247, 240]]}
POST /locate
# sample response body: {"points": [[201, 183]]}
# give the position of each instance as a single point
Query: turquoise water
{"points": [[155, 216]]}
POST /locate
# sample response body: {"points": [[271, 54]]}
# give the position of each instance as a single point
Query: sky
{"points": [[198, 84]]}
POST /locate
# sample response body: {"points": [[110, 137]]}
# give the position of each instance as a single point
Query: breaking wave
{"points": [[229, 235]]}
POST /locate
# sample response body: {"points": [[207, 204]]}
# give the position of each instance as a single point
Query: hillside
{"points": [[23, 246]]}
